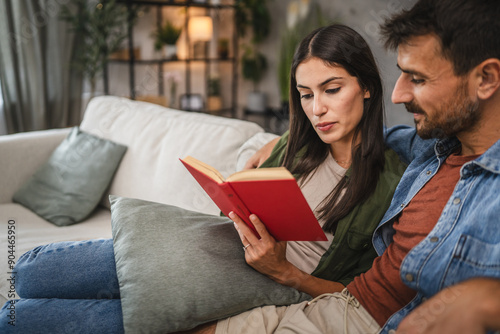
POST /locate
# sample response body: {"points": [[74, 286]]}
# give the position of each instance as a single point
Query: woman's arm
{"points": [[268, 257]]}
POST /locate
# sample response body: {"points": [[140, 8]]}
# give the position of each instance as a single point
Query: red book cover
{"points": [[271, 193]]}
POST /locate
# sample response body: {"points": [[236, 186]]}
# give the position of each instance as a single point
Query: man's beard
{"points": [[458, 115]]}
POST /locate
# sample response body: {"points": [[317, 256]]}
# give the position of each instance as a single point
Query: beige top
{"points": [[305, 255]]}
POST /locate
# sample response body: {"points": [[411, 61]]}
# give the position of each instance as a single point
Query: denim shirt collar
{"points": [[444, 147], [489, 160]]}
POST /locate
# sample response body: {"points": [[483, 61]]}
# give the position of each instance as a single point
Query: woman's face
{"points": [[332, 100]]}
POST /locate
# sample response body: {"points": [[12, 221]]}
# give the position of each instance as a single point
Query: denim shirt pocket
{"points": [[472, 258]]}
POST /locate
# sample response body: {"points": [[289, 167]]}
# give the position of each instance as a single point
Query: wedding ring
{"points": [[245, 247]]}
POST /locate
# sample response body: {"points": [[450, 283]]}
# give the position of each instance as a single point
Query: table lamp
{"points": [[200, 30]]}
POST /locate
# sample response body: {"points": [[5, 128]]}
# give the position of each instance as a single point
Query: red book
{"points": [[271, 193]]}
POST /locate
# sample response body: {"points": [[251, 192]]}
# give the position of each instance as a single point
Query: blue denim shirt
{"points": [[465, 242]]}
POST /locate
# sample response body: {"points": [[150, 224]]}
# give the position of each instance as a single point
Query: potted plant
{"points": [[301, 21], [254, 66], [253, 15], [166, 36], [214, 102], [101, 28]]}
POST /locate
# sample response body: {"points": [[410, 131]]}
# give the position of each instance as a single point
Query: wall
{"points": [[362, 15]]}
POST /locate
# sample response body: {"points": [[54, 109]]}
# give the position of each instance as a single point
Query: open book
{"points": [[271, 193]]}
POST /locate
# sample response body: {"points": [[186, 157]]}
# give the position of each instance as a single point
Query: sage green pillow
{"points": [[68, 187], [178, 268]]}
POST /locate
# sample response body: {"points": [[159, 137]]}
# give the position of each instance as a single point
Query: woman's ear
{"points": [[488, 74], [367, 94]]}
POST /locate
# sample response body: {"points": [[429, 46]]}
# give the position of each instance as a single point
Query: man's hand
{"points": [[261, 155], [469, 307]]}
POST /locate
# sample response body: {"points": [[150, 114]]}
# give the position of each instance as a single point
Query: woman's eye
{"points": [[306, 96], [332, 90]]}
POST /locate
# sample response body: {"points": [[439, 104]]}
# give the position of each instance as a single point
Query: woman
{"points": [[334, 147], [336, 123]]}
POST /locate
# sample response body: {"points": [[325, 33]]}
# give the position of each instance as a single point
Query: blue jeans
{"points": [[66, 287]]}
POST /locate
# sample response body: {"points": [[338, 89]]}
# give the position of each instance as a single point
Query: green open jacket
{"points": [[351, 252]]}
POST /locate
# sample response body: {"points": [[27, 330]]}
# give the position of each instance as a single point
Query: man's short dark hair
{"points": [[469, 30]]}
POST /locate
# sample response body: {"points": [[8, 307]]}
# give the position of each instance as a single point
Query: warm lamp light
{"points": [[200, 28]]}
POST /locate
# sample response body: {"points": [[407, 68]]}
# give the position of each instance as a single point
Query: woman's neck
{"points": [[342, 152]]}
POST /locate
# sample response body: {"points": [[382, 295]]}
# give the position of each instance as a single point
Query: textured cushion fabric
{"points": [[67, 188], [157, 137], [179, 268]]}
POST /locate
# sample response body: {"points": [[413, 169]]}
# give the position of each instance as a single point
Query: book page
{"points": [[204, 168], [276, 173]]}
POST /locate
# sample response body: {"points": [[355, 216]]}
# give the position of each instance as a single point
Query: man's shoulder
{"points": [[407, 144]]}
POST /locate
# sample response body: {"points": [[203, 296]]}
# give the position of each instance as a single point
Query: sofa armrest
{"points": [[251, 146], [22, 154]]}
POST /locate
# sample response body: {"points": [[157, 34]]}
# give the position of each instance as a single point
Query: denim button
{"points": [[409, 277], [403, 205], [429, 172], [456, 200], [434, 239], [392, 331]]}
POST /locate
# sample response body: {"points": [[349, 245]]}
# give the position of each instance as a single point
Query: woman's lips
{"points": [[324, 126]]}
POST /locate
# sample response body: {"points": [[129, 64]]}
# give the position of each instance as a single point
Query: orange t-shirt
{"points": [[381, 290]]}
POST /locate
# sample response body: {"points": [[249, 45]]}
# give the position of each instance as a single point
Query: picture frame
{"points": [[192, 102]]}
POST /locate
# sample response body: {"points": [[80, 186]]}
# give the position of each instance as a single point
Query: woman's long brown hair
{"points": [[338, 45]]}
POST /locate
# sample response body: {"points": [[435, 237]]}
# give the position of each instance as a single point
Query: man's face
{"points": [[440, 101]]}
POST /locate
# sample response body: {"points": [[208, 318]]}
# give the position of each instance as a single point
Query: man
{"points": [[439, 242]]}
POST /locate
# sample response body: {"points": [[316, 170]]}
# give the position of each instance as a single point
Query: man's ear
{"points": [[488, 73]]}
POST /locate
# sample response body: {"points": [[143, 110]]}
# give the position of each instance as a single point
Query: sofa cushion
{"points": [[67, 188], [179, 268], [156, 138]]}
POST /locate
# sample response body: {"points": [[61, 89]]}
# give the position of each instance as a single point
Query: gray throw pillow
{"points": [[178, 268], [68, 187]]}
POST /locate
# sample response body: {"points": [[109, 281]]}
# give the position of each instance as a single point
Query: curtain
{"points": [[3, 129], [40, 89]]}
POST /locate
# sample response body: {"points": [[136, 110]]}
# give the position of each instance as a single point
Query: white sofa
{"points": [[156, 138]]}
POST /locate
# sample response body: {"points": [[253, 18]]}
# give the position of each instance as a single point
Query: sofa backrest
{"points": [[157, 137]]}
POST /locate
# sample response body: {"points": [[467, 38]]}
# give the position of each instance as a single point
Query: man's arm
{"points": [[261, 155], [469, 307]]}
